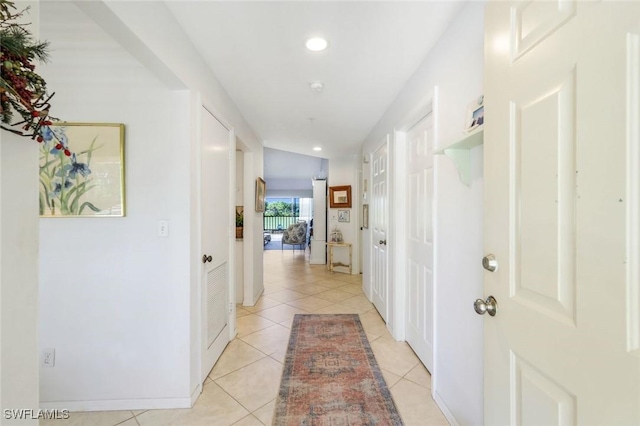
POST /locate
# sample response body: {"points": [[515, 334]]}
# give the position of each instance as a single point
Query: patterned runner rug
{"points": [[331, 377]]}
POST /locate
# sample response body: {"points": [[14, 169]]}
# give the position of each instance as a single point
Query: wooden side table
{"points": [[333, 264]]}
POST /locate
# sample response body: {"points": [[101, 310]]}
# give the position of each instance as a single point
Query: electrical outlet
{"points": [[230, 308], [49, 357]]}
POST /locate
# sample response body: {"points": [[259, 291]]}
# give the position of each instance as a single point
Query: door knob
{"points": [[489, 306], [383, 242], [206, 258], [490, 263]]}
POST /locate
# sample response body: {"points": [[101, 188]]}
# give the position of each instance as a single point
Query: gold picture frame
{"points": [[340, 196], [82, 170], [261, 190]]}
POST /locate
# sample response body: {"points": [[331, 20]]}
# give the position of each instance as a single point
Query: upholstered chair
{"points": [[296, 235]]}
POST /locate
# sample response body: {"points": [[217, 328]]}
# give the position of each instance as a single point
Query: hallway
{"points": [[242, 387]]}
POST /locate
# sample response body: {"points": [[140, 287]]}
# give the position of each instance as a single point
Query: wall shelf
{"points": [[460, 155]]}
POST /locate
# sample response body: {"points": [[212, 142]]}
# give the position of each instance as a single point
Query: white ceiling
{"points": [[287, 165], [256, 50]]}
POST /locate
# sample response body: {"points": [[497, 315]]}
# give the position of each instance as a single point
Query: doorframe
{"points": [[428, 105], [199, 102]]}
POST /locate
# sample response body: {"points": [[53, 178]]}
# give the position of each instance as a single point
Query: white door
{"points": [[561, 210], [379, 211], [419, 223], [215, 239]]}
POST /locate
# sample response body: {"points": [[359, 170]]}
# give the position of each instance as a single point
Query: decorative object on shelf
{"points": [[344, 215], [261, 190], [475, 114], [335, 236], [88, 182], [22, 91], [340, 196], [365, 216], [240, 222]]}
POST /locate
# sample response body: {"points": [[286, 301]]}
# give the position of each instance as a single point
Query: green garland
{"points": [[22, 91]]}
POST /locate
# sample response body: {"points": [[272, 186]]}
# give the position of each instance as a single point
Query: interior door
{"points": [[379, 222], [216, 239], [561, 199], [419, 222]]}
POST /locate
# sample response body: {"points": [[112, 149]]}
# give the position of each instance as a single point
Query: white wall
{"points": [[455, 65], [18, 275], [152, 35], [344, 171], [239, 253], [19, 264], [114, 296], [253, 229], [289, 188]]}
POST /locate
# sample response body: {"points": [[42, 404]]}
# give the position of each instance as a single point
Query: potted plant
{"points": [[239, 222]]}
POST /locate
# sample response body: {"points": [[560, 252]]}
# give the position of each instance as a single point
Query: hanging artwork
{"points": [[340, 196], [82, 170], [261, 189]]}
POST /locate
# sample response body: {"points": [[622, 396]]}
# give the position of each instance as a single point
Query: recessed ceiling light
{"points": [[316, 44], [317, 148]]}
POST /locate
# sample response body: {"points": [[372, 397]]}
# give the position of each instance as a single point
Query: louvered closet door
{"points": [[215, 239]]}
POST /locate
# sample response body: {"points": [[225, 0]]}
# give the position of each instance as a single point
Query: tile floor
{"points": [[242, 386]]}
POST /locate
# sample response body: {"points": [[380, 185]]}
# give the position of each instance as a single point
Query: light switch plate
{"points": [[163, 228]]}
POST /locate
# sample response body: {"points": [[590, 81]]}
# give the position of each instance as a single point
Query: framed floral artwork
{"points": [[82, 170], [340, 196]]}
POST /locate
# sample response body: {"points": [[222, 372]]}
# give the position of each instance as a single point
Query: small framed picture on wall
{"points": [[340, 196], [344, 216]]}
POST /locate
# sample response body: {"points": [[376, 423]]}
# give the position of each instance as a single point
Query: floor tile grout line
{"points": [[274, 399], [249, 415], [238, 369], [235, 399], [133, 416]]}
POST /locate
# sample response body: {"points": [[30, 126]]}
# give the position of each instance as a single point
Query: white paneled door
{"points": [[420, 255], [562, 213], [215, 217], [379, 211]]}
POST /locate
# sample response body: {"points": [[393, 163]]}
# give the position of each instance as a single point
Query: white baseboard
{"points": [[196, 394], [121, 404], [445, 410]]}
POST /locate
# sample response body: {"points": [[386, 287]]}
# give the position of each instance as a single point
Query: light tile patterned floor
{"points": [[242, 387]]}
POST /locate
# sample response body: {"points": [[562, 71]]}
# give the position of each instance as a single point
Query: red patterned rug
{"points": [[331, 377]]}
